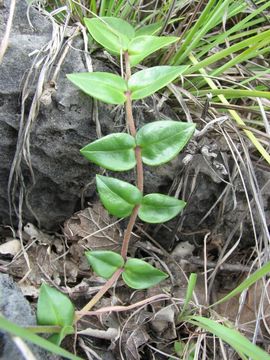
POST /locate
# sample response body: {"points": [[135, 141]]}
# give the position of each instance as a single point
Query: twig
{"points": [[120, 308], [212, 265]]}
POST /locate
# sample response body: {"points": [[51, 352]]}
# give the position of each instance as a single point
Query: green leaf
{"points": [[235, 93], [113, 152], [103, 86], [112, 33], [183, 350], [138, 274], [189, 293], [146, 82], [25, 334], [179, 347], [59, 337], [104, 263], [142, 46], [117, 196], [161, 141], [54, 308], [150, 29], [249, 281], [237, 341], [158, 208]]}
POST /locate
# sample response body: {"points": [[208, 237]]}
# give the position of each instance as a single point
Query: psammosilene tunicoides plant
{"points": [[153, 144]]}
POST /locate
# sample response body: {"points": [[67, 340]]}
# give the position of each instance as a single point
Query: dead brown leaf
{"points": [[136, 338], [92, 228]]}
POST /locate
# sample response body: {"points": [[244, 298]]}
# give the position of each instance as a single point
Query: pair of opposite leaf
{"points": [[136, 273], [56, 309], [120, 198], [117, 36], [160, 142]]}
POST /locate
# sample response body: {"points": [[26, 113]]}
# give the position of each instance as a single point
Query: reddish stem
{"points": [[129, 115], [132, 129], [133, 217], [100, 294], [128, 231]]}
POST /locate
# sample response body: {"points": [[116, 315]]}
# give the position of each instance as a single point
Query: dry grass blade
{"points": [[40, 70], [235, 115], [24, 349], [4, 42]]}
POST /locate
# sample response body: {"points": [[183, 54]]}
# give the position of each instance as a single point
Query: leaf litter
{"points": [[59, 259]]}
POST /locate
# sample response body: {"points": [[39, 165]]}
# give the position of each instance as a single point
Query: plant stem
{"points": [[128, 231], [132, 128], [133, 217], [99, 295]]}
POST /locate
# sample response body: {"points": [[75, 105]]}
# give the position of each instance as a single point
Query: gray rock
{"points": [[59, 131], [64, 124], [16, 308]]}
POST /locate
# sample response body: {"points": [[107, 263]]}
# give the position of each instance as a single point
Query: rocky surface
{"points": [[58, 132], [64, 124], [16, 308]]}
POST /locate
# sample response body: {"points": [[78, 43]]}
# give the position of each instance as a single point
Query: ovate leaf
{"points": [[146, 82], [103, 86], [104, 263], [113, 152], [117, 196], [150, 29], [142, 46], [161, 141], [138, 274], [54, 308], [112, 33], [158, 208]]}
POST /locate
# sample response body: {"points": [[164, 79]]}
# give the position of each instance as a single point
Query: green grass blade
{"points": [[239, 26], [103, 7], [209, 20], [235, 93], [93, 6], [232, 337], [197, 32], [190, 288], [228, 51], [233, 113], [128, 8], [251, 52], [260, 273], [255, 77], [117, 9], [17, 330]]}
